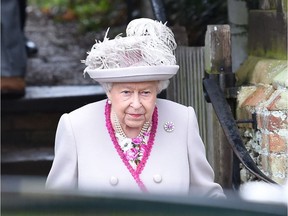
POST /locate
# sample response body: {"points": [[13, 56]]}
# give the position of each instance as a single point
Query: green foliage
{"points": [[49, 3], [90, 8], [91, 14]]}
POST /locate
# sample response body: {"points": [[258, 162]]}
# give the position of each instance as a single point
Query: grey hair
{"points": [[162, 84], [107, 86]]}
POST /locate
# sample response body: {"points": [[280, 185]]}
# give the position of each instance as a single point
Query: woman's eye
{"points": [[125, 92], [145, 93]]}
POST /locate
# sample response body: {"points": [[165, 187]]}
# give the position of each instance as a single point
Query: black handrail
{"points": [[224, 114]]}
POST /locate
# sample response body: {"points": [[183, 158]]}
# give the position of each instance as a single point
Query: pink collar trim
{"points": [[135, 173]]}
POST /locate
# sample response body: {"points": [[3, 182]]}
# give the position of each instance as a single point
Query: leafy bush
{"points": [[91, 14]]}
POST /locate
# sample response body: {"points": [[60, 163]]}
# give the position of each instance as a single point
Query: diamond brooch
{"points": [[169, 126]]}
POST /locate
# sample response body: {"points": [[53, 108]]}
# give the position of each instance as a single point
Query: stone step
{"points": [[28, 162], [31, 121], [53, 99], [28, 125]]}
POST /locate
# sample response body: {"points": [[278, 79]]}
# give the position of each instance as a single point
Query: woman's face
{"points": [[133, 103]]}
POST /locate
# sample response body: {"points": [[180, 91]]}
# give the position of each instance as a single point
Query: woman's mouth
{"points": [[135, 115]]}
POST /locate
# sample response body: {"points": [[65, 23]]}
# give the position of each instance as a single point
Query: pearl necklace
{"points": [[135, 173], [119, 130]]}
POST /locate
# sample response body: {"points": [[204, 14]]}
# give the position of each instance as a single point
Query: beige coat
{"points": [[85, 157]]}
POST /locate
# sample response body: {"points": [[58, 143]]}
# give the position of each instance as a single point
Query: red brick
{"points": [[278, 100], [261, 94], [244, 93], [277, 122], [272, 105], [272, 120], [277, 143]]}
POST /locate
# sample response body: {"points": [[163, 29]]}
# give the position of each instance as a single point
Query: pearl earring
{"points": [[109, 101]]}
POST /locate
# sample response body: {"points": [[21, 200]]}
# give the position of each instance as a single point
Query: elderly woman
{"points": [[132, 141]]}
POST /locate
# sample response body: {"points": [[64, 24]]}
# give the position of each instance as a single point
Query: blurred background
{"points": [[64, 30]]}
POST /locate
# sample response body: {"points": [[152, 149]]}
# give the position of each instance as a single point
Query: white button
{"points": [[113, 180], [157, 178]]}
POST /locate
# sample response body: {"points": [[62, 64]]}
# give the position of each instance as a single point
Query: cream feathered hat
{"points": [[145, 54]]}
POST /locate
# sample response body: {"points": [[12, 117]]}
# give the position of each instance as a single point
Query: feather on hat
{"points": [[145, 54]]}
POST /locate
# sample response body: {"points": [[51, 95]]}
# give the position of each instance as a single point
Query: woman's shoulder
{"points": [[95, 105], [168, 104], [175, 111], [87, 109]]}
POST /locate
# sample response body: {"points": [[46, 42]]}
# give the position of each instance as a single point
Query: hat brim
{"points": [[133, 74]]}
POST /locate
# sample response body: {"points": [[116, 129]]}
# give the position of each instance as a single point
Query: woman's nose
{"points": [[136, 103]]}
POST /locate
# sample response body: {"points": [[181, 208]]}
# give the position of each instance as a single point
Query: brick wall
{"points": [[267, 96], [263, 81]]}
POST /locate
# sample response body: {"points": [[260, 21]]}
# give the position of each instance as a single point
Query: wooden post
{"points": [[218, 61]]}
